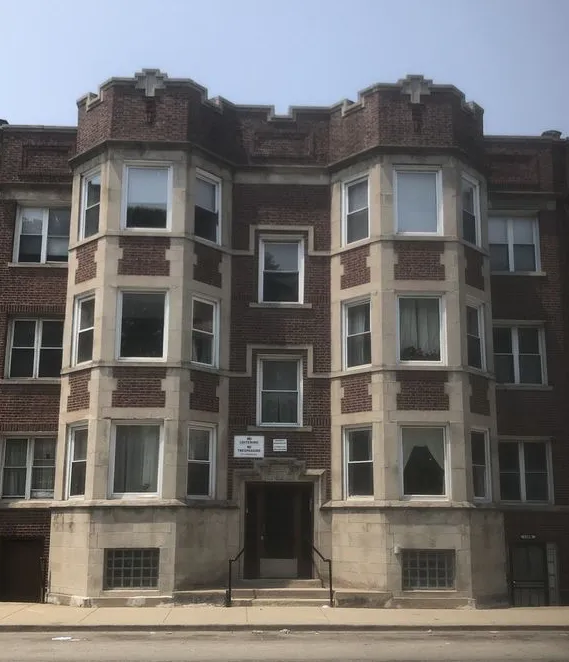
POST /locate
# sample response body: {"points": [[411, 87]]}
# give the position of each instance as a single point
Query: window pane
{"points": [[52, 334], [474, 352], [524, 257], [57, 250], [536, 487], [279, 407], [502, 340], [357, 196], [359, 445], [24, 333], [528, 340], [499, 260], [14, 483], [281, 257], [32, 221], [80, 444], [205, 224], [198, 479], [30, 249], [479, 482], [44, 452], [280, 286], [87, 314], [50, 363], [22, 363], [523, 230], [417, 202], [472, 327], [203, 316], [358, 350], [136, 458], [478, 444], [469, 227], [280, 375], [510, 486], [468, 193], [77, 479], [202, 348], [530, 369], [358, 318], [147, 198], [131, 568], [423, 461], [85, 346], [206, 195], [142, 328], [509, 456], [419, 324], [91, 221], [535, 457], [93, 190], [360, 479], [43, 480], [497, 230], [357, 226], [58, 222], [198, 448], [16, 453]]}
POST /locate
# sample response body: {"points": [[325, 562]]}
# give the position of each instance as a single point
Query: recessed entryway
{"points": [[21, 569], [278, 530]]}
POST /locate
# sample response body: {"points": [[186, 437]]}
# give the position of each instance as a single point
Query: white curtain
{"points": [[419, 328], [136, 458], [431, 438], [417, 201], [358, 335]]}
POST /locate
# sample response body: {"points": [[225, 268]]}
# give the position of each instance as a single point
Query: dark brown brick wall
{"points": [[356, 395], [204, 397], [79, 396], [473, 271], [419, 260], [422, 390], [139, 387], [29, 407], [144, 256], [86, 265], [207, 264], [548, 527], [355, 267], [479, 399]]}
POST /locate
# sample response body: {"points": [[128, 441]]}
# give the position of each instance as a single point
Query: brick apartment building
{"points": [[223, 329]]}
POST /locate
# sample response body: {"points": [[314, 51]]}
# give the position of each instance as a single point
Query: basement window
{"points": [[428, 570], [131, 568]]}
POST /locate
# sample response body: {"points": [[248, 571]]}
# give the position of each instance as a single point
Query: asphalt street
{"points": [[285, 646]]}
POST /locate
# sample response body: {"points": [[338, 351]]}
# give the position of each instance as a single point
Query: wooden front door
{"points": [[21, 569], [278, 531]]}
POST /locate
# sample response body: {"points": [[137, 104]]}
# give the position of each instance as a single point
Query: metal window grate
{"points": [[428, 569], [131, 568]]}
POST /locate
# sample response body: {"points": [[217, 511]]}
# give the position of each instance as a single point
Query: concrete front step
{"points": [[278, 583], [280, 602], [259, 596]]}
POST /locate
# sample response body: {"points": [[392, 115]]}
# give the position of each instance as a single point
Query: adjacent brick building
{"points": [[224, 329]]}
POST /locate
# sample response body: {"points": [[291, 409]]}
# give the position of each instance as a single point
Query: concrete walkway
{"points": [[29, 617]]}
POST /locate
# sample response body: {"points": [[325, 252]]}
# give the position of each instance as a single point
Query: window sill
{"points": [[417, 236], [206, 242], [279, 428], [22, 503], [277, 304], [144, 231], [524, 387], [39, 265], [539, 274], [421, 365], [30, 380], [525, 504]]}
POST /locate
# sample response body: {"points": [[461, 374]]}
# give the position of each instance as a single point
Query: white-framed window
{"points": [[480, 457], [428, 569], [420, 328], [147, 197], [358, 462], [476, 354], [470, 210], [84, 326], [514, 243], [143, 327], [90, 205], [424, 462], [357, 333], [281, 271], [35, 348], [129, 568], [136, 458], [77, 460], [279, 400], [525, 471], [28, 469], [201, 461], [519, 355], [355, 205], [207, 210], [42, 234], [205, 337], [418, 201]]}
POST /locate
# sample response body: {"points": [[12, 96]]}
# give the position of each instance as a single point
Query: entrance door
{"points": [[278, 531], [21, 569], [529, 575]]}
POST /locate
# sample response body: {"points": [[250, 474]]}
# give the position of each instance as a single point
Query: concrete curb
{"points": [[320, 627]]}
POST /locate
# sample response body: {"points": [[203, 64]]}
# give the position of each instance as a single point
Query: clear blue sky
{"points": [[510, 56]]}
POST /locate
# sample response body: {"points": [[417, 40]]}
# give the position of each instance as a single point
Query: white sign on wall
{"points": [[279, 445], [248, 446]]}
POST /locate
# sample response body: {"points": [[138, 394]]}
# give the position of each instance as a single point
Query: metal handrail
{"points": [[229, 577], [329, 562]]}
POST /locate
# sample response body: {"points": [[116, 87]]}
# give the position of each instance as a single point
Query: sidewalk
{"points": [[37, 617]]}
